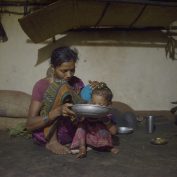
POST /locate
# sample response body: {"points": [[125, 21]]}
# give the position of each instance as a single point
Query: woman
{"points": [[42, 120]]}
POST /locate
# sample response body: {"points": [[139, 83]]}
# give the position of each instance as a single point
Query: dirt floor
{"points": [[20, 157]]}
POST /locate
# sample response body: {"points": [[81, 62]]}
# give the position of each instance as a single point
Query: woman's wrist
{"points": [[45, 118], [51, 117], [55, 113]]}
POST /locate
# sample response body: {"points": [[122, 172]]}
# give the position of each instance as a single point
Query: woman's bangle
{"points": [[45, 119]]}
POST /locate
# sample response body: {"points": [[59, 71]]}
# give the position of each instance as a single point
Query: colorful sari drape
{"points": [[57, 94]]}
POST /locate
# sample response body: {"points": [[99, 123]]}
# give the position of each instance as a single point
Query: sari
{"points": [[58, 93]]}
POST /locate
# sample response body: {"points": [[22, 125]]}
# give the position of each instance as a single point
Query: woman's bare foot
{"points": [[82, 152], [115, 150], [57, 148]]}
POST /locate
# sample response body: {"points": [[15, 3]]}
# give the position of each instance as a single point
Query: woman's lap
{"points": [[65, 132]]}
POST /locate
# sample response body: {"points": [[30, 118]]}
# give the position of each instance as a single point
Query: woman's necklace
{"points": [[59, 80]]}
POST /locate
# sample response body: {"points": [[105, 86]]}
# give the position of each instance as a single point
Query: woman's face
{"points": [[99, 100], [65, 71]]}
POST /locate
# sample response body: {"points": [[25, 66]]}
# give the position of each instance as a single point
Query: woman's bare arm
{"points": [[35, 121]]}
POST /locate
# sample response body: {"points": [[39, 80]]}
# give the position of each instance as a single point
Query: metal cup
{"points": [[150, 124]]}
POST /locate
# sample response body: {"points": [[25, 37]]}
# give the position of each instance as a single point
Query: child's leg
{"points": [[79, 140], [82, 152], [112, 128]]}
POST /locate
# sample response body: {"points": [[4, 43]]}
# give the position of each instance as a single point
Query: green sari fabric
{"points": [[58, 93]]}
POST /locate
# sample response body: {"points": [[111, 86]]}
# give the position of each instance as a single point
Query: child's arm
{"points": [[111, 127]]}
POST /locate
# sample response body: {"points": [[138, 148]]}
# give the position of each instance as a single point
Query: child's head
{"points": [[102, 95]]}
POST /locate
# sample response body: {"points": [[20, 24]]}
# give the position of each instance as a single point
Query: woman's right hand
{"points": [[63, 110], [66, 110]]}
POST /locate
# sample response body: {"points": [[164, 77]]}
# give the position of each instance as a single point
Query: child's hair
{"points": [[63, 54], [103, 90]]}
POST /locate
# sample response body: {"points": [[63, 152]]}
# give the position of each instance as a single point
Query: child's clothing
{"points": [[93, 134], [86, 93]]}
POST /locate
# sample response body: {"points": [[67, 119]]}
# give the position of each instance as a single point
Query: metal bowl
{"points": [[125, 130], [91, 110]]}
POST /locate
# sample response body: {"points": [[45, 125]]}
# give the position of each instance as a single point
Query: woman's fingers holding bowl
{"points": [[55, 113], [66, 110]]}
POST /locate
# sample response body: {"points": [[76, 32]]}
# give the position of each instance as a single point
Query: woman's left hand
{"points": [[93, 84]]}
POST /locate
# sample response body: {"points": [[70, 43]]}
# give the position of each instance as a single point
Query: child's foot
{"points": [[57, 148], [82, 152], [115, 150]]}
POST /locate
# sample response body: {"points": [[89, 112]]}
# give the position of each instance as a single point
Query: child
{"points": [[96, 133]]}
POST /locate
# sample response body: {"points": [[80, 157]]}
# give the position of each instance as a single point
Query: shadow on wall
{"points": [[136, 38]]}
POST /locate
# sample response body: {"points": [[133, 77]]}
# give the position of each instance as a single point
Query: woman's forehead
{"points": [[70, 64]]}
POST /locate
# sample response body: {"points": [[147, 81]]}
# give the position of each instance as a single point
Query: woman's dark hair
{"points": [[103, 90], [63, 54]]}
